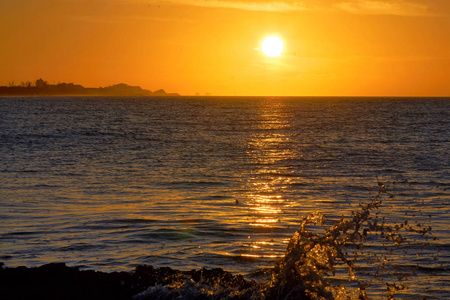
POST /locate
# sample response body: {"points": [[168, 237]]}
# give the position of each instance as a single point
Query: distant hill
{"points": [[42, 88]]}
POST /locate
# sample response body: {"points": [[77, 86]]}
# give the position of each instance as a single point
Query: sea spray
{"points": [[316, 250]]}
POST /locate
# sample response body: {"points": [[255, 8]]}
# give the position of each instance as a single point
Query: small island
{"points": [[41, 88]]}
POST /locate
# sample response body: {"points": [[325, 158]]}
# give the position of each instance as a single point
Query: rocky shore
{"points": [[58, 281]]}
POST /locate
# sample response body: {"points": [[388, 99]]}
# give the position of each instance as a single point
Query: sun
{"points": [[272, 46]]}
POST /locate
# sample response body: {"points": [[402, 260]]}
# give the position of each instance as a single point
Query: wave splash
{"points": [[310, 266]]}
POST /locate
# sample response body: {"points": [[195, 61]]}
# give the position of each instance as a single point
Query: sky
{"points": [[331, 47]]}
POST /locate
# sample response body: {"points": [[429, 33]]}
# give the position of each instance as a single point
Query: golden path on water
{"points": [[266, 205]]}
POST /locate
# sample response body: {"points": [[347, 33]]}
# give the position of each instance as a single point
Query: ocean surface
{"points": [[108, 183]]}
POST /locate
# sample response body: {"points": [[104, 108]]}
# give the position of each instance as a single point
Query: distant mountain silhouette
{"points": [[42, 88]]}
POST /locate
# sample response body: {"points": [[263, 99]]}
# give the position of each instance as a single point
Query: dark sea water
{"points": [[111, 183]]}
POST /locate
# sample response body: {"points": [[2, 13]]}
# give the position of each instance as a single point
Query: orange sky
{"points": [[332, 47]]}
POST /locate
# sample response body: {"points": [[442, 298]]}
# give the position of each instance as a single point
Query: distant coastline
{"points": [[42, 88]]}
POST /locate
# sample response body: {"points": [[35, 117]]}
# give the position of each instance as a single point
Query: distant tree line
{"points": [[41, 88]]}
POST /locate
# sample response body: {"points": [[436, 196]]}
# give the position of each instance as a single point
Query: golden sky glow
{"points": [[331, 47]]}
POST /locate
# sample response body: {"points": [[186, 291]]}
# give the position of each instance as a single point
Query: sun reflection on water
{"points": [[266, 202]]}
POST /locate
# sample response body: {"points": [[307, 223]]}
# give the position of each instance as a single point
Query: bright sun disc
{"points": [[272, 46]]}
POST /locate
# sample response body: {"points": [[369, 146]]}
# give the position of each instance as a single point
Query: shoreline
{"points": [[58, 281]]}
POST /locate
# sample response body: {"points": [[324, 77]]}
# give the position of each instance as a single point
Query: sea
{"points": [[110, 183]]}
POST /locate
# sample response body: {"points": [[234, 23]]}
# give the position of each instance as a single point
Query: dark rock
{"points": [[58, 281]]}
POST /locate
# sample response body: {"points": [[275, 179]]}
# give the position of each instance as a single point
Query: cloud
{"points": [[270, 6], [367, 7], [384, 7]]}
